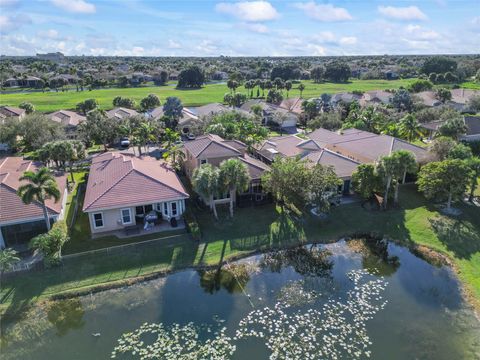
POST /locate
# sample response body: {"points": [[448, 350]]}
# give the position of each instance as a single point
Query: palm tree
{"points": [[410, 128], [176, 154], [288, 86], [8, 257], [205, 182], [301, 87], [144, 133], [234, 176], [387, 167], [406, 164], [40, 187]]}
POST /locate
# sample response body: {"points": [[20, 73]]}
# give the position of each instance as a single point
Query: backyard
{"points": [[52, 101], [252, 230]]}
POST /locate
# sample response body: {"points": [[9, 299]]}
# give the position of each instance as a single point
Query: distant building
{"points": [[56, 57]]}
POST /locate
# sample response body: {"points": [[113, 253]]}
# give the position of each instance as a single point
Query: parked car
{"points": [[191, 137], [124, 142]]}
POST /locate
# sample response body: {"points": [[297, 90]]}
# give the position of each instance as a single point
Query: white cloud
{"points": [[249, 10], [476, 21], [15, 22], [348, 40], [51, 34], [172, 44], [325, 37], [324, 12], [255, 27], [418, 32], [402, 13], [75, 6]]}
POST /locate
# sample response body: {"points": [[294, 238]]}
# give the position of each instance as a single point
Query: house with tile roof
{"points": [[69, 120], [273, 114], [472, 124], [344, 151], [125, 191], [212, 149], [185, 123], [21, 222], [121, 113]]}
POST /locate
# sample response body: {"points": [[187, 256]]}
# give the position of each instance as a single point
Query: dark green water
{"points": [[423, 317]]}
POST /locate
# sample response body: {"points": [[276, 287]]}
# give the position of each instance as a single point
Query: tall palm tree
{"points": [[40, 187], [301, 87], [406, 163], [144, 133], [387, 167], [234, 176], [410, 128], [176, 154], [205, 182]]}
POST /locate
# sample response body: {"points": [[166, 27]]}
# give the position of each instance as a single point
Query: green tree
{"points": [[439, 65], [234, 177], [100, 129], [274, 96], [143, 134], [441, 147], [232, 85], [301, 88], [460, 151], [128, 103], [317, 74], [192, 77], [50, 244], [410, 128], [337, 71], [365, 181], [406, 163], [173, 108], [287, 180], [88, 105], [149, 102], [8, 257], [322, 186], [420, 85], [442, 180], [453, 128], [388, 169], [175, 154], [40, 186], [443, 95], [205, 182], [36, 129], [402, 101], [288, 86], [10, 130], [28, 107]]}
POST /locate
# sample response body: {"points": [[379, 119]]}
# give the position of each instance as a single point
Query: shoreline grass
{"points": [[252, 230], [53, 101]]}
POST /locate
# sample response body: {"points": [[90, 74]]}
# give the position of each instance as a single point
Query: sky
{"points": [[239, 28]]}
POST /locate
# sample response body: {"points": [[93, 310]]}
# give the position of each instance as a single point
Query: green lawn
{"points": [[471, 85], [263, 227], [52, 101]]}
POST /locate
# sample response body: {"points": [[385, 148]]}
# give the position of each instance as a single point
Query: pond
{"points": [[354, 299]]}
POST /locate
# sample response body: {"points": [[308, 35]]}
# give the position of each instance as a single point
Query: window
{"points": [[174, 209], [126, 216], [139, 210], [98, 220], [203, 161], [165, 209], [159, 207], [143, 210]]}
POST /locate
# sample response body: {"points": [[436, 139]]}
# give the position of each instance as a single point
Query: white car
{"points": [[124, 142]]}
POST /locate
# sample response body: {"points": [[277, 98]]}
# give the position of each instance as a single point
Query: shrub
{"points": [[192, 225]]}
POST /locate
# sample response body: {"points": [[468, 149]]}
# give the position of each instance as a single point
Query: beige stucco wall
{"points": [[112, 218]]}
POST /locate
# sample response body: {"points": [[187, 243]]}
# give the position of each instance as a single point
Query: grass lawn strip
{"points": [[210, 93]]}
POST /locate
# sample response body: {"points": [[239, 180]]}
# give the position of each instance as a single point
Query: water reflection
{"points": [[66, 315], [233, 278], [375, 256]]}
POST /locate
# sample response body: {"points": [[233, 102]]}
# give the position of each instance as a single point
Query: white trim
{"points": [[134, 204], [94, 223], [129, 215]]}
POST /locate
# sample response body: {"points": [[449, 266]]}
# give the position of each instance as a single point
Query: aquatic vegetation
{"points": [[231, 277], [313, 261], [336, 331], [175, 343]]}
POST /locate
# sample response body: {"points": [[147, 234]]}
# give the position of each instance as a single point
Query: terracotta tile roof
{"points": [[6, 111], [121, 113], [343, 166], [67, 118], [255, 167], [211, 146], [118, 180], [11, 206], [293, 104], [281, 145]]}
